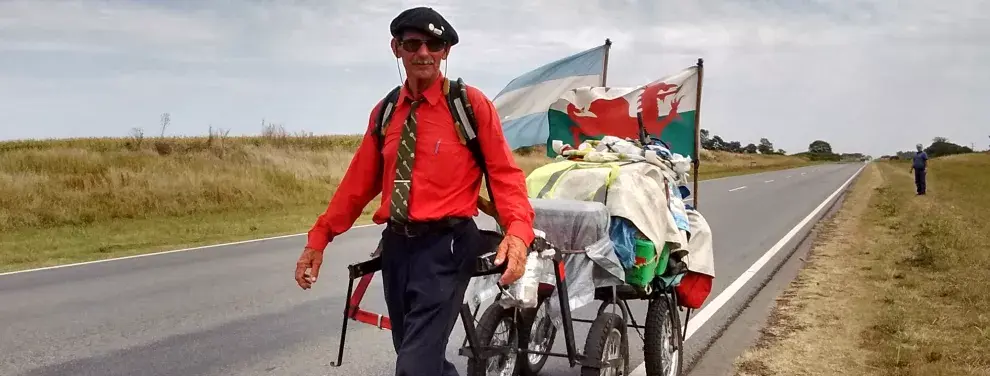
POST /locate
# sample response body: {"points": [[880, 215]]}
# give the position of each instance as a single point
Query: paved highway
{"points": [[236, 310]]}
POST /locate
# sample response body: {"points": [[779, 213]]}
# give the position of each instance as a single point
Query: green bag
{"points": [[648, 263], [645, 267]]}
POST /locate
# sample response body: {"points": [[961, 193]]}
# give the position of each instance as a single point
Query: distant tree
{"points": [[716, 143], [781, 152], [905, 154], [942, 147], [705, 137], [751, 149], [820, 147], [766, 147], [734, 147]]}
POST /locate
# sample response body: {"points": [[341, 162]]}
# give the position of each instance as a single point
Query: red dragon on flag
{"points": [[666, 106]]}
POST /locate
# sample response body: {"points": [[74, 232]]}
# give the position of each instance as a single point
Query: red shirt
{"points": [[446, 180]]}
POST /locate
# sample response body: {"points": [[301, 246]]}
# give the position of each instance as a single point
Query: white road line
{"points": [[163, 252], [768, 181], [804, 173], [789, 176], [709, 310], [737, 188]]}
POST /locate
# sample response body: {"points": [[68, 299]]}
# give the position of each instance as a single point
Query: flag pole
{"points": [[608, 46], [697, 129]]}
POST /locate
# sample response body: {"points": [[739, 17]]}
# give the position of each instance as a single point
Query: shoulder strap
{"points": [[385, 114], [466, 124]]}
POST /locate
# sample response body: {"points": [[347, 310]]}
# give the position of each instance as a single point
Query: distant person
{"points": [[429, 182], [919, 166]]}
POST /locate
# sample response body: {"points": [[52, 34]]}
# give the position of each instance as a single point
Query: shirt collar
{"points": [[433, 93]]}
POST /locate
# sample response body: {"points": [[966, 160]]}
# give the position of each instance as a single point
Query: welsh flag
{"points": [[667, 106]]}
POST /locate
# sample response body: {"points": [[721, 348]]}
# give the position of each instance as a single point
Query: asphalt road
{"points": [[236, 310]]}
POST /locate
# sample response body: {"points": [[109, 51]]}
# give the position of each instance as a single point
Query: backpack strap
{"points": [[385, 112], [466, 124]]}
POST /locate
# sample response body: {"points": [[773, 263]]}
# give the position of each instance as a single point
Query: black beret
{"points": [[425, 20]]}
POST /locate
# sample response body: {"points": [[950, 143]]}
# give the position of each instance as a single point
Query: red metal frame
{"points": [[354, 311], [357, 314]]}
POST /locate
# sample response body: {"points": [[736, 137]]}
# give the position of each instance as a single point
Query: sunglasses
{"points": [[433, 45]]}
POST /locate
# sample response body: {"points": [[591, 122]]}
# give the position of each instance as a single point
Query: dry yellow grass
{"points": [[82, 199], [716, 164], [896, 285]]}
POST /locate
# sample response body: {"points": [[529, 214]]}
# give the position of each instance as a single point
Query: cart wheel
{"points": [[536, 333], [496, 330], [607, 342], [664, 346]]}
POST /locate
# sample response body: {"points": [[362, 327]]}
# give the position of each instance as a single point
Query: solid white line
{"points": [[789, 176], [162, 253], [768, 181], [709, 310], [737, 188]]}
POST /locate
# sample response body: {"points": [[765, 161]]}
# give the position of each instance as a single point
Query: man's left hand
{"points": [[513, 249]]}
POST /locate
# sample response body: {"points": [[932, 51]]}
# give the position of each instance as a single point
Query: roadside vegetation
{"points": [[896, 283], [74, 200]]}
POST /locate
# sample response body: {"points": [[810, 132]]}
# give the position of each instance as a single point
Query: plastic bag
{"points": [[623, 235]]}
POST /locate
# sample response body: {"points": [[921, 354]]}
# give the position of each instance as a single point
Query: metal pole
{"points": [[608, 46], [697, 129]]}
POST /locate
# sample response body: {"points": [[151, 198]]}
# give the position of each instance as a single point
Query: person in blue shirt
{"points": [[919, 165]]}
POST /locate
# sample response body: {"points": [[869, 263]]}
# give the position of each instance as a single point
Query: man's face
{"points": [[420, 53]]}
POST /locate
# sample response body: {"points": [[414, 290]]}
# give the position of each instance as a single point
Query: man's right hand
{"points": [[309, 262]]}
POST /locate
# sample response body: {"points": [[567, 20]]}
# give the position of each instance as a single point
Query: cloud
{"points": [[866, 75]]}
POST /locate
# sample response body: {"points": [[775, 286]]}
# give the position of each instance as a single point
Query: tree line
{"points": [[715, 142], [818, 150], [939, 147]]}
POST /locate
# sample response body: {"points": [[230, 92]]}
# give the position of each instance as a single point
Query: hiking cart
{"points": [[580, 267], [519, 341]]}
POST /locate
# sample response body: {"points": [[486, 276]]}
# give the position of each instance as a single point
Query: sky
{"points": [[867, 76]]}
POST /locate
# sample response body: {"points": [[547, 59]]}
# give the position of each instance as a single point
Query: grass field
{"points": [[896, 284], [83, 199]]}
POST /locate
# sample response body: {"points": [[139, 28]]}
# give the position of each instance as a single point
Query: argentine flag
{"points": [[524, 102]]}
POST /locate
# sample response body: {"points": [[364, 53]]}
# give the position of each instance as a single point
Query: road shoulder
{"points": [[744, 330], [892, 285]]}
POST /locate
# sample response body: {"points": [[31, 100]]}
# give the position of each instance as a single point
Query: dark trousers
{"points": [[425, 278], [919, 180]]}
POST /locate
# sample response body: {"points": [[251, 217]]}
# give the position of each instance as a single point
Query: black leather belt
{"points": [[414, 229]]}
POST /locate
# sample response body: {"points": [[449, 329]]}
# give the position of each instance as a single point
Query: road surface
{"points": [[236, 310]]}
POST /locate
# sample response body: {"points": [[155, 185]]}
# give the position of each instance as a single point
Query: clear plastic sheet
{"points": [[569, 225]]}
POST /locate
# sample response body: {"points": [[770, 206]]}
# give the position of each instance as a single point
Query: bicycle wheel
{"points": [[536, 333], [607, 342], [663, 345], [495, 323]]}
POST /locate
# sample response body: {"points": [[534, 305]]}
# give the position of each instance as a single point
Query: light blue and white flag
{"points": [[524, 102]]}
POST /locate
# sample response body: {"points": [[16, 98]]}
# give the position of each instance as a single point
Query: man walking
{"points": [[919, 165], [429, 183]]}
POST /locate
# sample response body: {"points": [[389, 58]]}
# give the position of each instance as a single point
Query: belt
{"points": [[418, 228]]}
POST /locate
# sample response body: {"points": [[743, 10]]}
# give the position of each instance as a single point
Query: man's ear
{"points": [[446, 51], [395, 47]]}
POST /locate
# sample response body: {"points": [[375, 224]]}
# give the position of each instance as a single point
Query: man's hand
{"points": [[310, 259], [513, 249]]}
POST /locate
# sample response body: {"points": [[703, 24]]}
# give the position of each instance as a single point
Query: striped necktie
{"points": [[402, 187]]}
